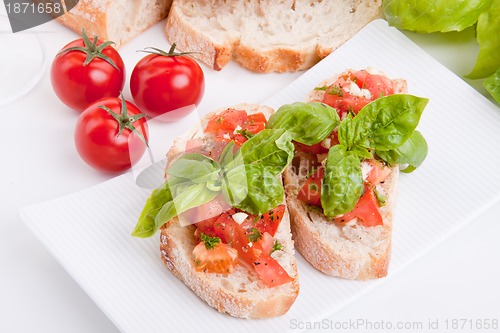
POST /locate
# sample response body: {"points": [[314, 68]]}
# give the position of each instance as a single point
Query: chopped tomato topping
{"points": [[310, 192], [320, 147], [226, 121], [220, 259], [270, 271], [378, 173], [341, 94], [252, 239], [267, 222], [236, 125], [366, 210]]}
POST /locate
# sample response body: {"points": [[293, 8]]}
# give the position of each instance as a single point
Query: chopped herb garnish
{"points": [[255, 235], [246, 133], [277, 246], [210, 242], [219, 120], [324, 88], [336, 90], [382, 199]]}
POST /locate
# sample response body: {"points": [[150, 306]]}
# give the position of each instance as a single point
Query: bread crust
{"points": [[351, 261], [97, 18], [218, 290], [194, 24]]}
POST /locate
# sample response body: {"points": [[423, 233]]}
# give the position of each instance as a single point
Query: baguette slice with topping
{"points": [[240, 293]]}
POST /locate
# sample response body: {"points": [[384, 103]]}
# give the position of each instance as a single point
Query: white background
{"points": [[459, 279]]}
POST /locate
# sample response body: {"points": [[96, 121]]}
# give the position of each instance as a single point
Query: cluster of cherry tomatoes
{"points": [[111, 133]]}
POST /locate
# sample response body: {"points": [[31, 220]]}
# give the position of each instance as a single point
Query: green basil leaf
{"points": [[492, 85], [193, 196], [197, 168], [252, 188], [384, 124], [433, 15], [146, 225], [412, 152], [343, 183], [309, 123], [488, 38], [272, 149], [227, 155]]}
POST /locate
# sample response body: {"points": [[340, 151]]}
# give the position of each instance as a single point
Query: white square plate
{"points": [[89, 231]]}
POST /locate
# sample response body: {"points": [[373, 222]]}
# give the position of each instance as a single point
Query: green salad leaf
{"points": [[308, 123], [433, 15], [488, 37]]}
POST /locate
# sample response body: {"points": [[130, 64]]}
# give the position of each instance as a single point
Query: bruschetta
{"points": [[341, 186], [223, 222]]}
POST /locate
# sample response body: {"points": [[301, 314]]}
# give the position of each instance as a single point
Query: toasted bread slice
{"points": [[348, 250], [264, 35], [239, 293], [115, 20]]}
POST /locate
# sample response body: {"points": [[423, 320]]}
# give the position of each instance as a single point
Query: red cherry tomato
{"points": [[84, 72], [167, 85], [111, 135]]}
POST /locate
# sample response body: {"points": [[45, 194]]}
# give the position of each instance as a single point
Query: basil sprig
{"points": [[246, 178], [384, 127]]}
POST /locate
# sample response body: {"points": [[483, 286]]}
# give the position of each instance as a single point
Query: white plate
{"points": [[89, 231]]}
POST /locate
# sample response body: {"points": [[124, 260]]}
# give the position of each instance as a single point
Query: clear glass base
{"points": [[22, 62]]}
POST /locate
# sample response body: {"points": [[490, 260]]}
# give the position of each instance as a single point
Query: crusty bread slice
{"points": [[266, 35], [240, 293], [115, 20], [348, 250]]}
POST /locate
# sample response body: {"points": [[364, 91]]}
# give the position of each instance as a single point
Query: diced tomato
{"points": [[224, 126], [257, 118], [339, 95], [225, 227], [378, 173], [267, 222], [310, 192], [253, 255], [366, 210], [226, 121], [318, 148], [265, 244], [378, 85], [270, 271], [220, 259]]}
